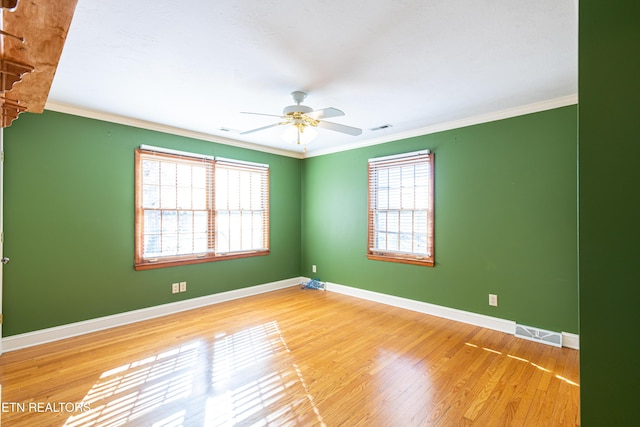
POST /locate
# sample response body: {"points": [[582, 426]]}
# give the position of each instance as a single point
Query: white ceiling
{"points": [[416, 65]]}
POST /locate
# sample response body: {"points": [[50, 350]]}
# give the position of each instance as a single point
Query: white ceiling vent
{"points": [[223, 129], [381, 127]]}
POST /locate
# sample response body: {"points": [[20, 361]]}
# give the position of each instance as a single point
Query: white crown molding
{"points": [[142, 124], [29, 339], [456, 124]]}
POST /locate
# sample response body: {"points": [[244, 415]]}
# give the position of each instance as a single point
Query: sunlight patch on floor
{"points": [[129, 391], [247, 377], [245, 394], [560, 377]]}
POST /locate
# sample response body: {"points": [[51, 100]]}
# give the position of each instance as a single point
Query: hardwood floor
{"points": [[292, 358]]}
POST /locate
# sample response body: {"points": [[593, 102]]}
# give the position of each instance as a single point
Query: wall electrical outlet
{"points": [[175, 288], [183, 286], [313, 268], [493, 300]]}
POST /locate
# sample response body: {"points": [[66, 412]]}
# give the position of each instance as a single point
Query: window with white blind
{"points": [[400, 223], [241, 206], [192, 208]]}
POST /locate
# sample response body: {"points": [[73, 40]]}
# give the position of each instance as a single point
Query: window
{"points": [[192, 209], [401, 199]]}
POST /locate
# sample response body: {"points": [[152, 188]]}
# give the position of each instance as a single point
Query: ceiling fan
{"points": [[301, 120]]}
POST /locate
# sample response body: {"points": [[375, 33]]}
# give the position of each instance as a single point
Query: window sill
{"points": [[147, 265], [423, 262]]}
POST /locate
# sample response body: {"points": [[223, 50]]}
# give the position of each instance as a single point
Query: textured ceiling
{"points": [[414, 65]]}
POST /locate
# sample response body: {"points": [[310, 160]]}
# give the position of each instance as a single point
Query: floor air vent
{"points": [[539, 335]]}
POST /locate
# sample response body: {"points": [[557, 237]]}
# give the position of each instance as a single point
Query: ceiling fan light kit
{"points": [[299, 135], [302, 120]]}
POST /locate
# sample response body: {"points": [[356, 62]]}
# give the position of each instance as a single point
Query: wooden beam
{"points": [[43, 25]]}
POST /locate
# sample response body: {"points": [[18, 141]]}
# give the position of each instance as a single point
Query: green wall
{"points": [[609, 91], [69, 231], [505, 220]]}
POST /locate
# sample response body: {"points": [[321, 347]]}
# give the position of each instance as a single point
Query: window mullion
{"points": [[240, 209], [212, 213], [413, 229], [177, 207], [413, 210], [399, 223]]}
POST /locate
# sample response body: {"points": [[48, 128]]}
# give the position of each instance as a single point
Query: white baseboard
{"points": [[508, 326], [42, 336], [570, 340]]}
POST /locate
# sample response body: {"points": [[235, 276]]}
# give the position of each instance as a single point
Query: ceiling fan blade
{"points": [[339, 128], [259, 129], [325, 113], [260, 114]]}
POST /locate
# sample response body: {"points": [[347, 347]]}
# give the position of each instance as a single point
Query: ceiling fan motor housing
{"points": [[298, 96], [296, 109]]}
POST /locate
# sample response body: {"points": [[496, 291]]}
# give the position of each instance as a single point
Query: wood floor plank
{"points": [[291, 357]]}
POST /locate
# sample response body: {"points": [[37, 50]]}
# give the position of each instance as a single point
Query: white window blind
{"points": [[401, 208], [242, 206]]}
